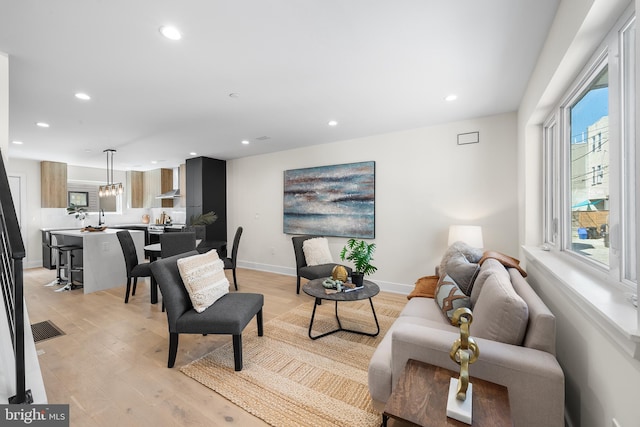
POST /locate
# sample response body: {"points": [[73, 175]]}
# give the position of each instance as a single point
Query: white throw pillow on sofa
{"points": [[204, 278], [316, 251], [500, 314]]}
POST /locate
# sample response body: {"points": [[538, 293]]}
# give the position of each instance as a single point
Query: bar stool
{"points": [[64, 263], [66, 251]]}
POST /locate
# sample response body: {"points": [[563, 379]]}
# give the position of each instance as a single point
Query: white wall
{"points": [[4, 106], [424, 183], [30, 171], [601, 379]]}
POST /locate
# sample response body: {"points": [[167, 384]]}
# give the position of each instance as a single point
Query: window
{"points": [[589, 169]]}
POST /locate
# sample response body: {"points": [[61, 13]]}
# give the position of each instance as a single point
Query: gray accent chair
{"points": [[134, 270], [310, 271], [230, 263], [228, 316]]}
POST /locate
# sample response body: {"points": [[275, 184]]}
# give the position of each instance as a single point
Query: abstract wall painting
{"points": [[337, 200]]}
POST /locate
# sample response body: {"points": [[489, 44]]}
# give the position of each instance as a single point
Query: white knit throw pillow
{"points": [[204, 278], [316, 251]]}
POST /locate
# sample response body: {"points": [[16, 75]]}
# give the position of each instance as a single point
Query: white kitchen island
{"points": [[102, 258]]}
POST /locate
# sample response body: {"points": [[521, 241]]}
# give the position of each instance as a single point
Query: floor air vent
{"points": [[45, 330]]}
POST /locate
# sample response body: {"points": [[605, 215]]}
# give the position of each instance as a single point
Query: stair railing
{"points": [[11, 280]]}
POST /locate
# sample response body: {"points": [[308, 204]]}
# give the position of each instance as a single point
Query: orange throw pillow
{"points": [[425, 287]]}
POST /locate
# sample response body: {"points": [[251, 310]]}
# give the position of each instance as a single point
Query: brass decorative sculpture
{"points": [[464, 350], [339, 273]]}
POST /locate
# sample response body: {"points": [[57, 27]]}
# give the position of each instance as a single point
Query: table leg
{"points": [[340, 328], [373, 310], [154, 284], [317, 302]]}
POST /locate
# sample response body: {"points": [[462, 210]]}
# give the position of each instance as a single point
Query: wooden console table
{"points": [[420, 398]]}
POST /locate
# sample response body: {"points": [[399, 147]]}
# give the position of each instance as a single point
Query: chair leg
{"points": [[237, 352], [126, 295], [298, 286], [135, 284], [235, 281], [173, 349], [259, 320]]}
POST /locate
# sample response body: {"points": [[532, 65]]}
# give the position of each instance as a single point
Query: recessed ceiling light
{"points": [[170, 32], [42, 124], [245, 142], [193, 153], [83, 96], [451, 97], [153, 162], [17, 142], [332, 123]]}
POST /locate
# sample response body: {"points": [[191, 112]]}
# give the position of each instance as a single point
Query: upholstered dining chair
{"points": [[134, 270], [230, 263], [176, 243], [227, 316], [310, 271]]}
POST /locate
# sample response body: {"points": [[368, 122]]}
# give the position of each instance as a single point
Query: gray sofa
{"points": [[526, 365]]}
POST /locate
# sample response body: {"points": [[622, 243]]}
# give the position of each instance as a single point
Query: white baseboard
{"points": [[270, 268], [396, 288], [32, 264]]}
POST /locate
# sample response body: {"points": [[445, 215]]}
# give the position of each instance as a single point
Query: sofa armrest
{"points": [[534, 378]]}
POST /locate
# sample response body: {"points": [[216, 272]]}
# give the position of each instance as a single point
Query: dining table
{"points": [[154, 251]]}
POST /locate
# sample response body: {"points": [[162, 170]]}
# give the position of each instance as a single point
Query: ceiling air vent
{"points": [[263, 138]]}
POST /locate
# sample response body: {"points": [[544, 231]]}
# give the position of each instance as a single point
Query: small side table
{"points": [[315, 289], [420, 398]]}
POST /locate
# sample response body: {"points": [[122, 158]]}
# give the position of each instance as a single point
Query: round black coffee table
{"points": [[315, 289]]}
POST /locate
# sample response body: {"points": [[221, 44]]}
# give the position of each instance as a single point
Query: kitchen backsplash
{"points": [[58, 218]]}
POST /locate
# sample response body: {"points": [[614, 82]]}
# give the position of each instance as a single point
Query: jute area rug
{"points": [[290, 380]]}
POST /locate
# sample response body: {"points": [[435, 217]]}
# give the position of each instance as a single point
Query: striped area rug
{"points": [[288, 379]]}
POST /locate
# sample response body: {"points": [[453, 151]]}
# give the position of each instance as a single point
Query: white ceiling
{"points": [[374, 66]]}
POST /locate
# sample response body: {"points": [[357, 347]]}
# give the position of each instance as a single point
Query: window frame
{"points": [[557, 159]]}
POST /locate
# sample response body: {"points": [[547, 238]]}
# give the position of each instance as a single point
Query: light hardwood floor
{"points": [[111, 366]]}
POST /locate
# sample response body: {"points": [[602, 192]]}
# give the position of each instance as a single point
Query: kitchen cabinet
{"points": [[207, 191], [53, 184], [182, 179], [156, 182], [136, 189]]}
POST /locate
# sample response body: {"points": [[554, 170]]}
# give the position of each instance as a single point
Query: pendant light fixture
{"points": [[110, 188]]}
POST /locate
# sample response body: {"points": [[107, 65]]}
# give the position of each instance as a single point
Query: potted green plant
{"points": [[79, 212], [361, 254], [198, 223]]}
